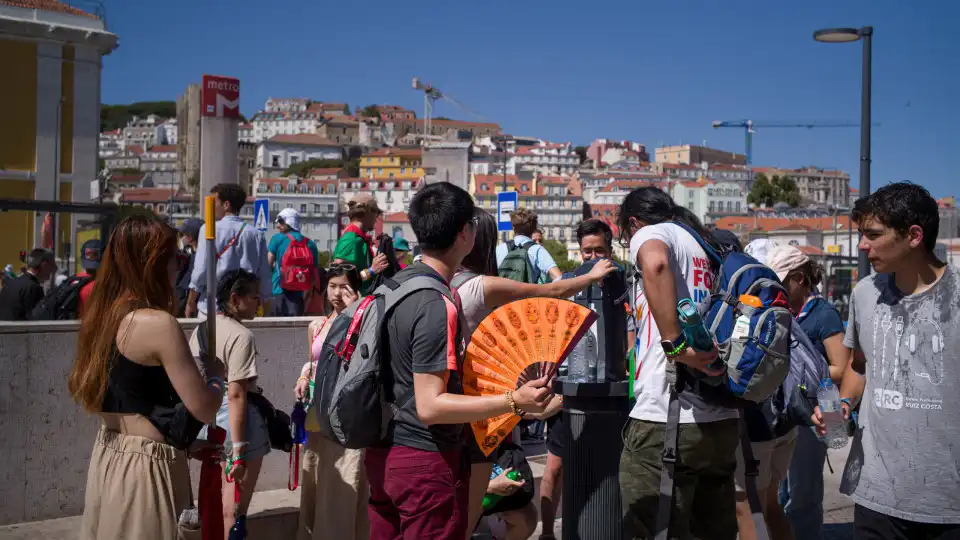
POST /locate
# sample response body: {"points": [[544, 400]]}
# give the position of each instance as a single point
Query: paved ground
{"points": [[838, 509]]}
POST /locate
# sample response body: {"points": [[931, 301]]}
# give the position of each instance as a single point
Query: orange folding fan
{"points": [[519, 342]]}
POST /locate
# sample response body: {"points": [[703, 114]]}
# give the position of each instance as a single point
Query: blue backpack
{"points": [[757, 363]]}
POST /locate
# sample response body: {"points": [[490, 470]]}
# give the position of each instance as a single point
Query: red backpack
{"points": [[297, 267]]}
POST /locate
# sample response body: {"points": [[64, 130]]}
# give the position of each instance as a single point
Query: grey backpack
{"points": [[350, 397]]}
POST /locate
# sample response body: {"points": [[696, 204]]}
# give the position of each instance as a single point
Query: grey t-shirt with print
{"points": [[905, 459]]}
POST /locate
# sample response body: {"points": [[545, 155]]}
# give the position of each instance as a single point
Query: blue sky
{"points": [[654, 72]]}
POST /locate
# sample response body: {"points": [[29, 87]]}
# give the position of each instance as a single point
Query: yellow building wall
{"points": [[66, 111], [82, 236], [400, 167], [18, 106], [17, 226]]}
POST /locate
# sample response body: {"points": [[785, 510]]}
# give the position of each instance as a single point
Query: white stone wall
{"points": [[48, 438]]}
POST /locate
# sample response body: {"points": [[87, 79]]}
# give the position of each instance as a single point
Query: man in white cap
{"points": [[293, 258]]}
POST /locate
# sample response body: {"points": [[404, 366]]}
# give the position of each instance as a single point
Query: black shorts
{"points": [[870, 525], [556, 434], [473, 450]]}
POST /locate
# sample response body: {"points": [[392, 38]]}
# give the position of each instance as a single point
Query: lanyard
{"points": [[807, 306]]}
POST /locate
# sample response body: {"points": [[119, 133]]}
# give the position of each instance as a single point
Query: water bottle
{"points": [[828, 397], [491, 499], [298, 419], [694, 331], [582, 362]]}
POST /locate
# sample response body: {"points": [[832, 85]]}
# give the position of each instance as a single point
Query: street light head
{"points": [[837, 35]]}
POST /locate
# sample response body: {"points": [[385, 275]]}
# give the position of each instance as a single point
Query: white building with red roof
{"points": [[277, 153], [315, 197]]}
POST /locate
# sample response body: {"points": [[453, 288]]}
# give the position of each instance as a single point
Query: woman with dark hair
{"points": [[247, 439], [673, 266], [481, 291], [134, 369], [334, 491]]}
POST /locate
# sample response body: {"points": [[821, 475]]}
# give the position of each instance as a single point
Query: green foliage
{"points": [[124, 171], [346, 109], [558, 251], [441, 118], [766, 192], [303, 168], [116, 116], [582, 152], [369, 111]]}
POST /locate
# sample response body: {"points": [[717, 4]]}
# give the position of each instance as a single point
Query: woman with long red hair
{"points": [[134, 369]]}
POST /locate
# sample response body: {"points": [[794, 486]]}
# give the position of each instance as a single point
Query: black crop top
{"points": [[147, 390]]}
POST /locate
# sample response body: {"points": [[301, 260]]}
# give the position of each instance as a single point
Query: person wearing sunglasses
{"points": [[334, 488]]}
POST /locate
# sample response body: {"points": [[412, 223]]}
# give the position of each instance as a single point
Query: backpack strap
{"points": [[670, 454], [750, 473], [232, 241], [712, 254], [461, 278]]}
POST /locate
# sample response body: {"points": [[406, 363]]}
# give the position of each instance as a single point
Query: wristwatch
{"points": [[673, 348]]}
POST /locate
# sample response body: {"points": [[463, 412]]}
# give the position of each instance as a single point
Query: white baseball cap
{"points": [[785, 259]]}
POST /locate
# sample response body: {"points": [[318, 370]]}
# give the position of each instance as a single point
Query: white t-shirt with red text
{"points": [[694, 277]]}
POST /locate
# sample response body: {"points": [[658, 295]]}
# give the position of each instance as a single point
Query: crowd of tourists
{"points": [[159, 397]]}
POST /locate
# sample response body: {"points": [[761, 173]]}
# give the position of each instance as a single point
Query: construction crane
{"points": [[430, 97], [749, 126]]}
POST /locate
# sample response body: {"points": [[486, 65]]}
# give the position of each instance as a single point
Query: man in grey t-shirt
{"points": [[904, 466]]}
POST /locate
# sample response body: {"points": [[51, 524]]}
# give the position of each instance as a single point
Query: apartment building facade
{"points": [[281, 151], [386, 163], [316, 198], [815, 185], [689, 154]]}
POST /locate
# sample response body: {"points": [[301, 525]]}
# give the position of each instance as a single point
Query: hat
{"points": [[90, 254], [364, 202], [785, 259], [759, 248], [290, 217], [400, 244], [191, 227]]}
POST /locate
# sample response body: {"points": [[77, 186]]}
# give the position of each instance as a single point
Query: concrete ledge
{"points": [[272, 514]]}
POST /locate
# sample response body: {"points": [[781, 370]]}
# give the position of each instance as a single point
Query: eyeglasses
{"points": [[343, 267]]}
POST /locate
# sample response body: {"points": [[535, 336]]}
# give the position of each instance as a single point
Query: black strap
{"points": [[750, 472], [670, 454]]}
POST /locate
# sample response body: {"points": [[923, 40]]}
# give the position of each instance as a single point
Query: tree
{"points": [[117, 116], [582, 152], [346, 109], [303, 168], [558, 251], [323, 259], [766, 192], [370, 111]]}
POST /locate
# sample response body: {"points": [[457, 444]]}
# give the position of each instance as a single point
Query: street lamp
{"points": [[846, 35]]}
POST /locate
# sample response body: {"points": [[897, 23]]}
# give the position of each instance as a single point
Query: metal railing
{"points": [[92, 7]]}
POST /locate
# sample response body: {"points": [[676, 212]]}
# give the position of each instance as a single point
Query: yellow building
{"points": [[50, 56], [392, 163]]}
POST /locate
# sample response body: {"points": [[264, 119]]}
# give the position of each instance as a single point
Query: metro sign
{"points": [[220, 97]]}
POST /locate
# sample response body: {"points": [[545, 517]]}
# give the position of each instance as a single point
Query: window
{"points": [[275, 207], [380, 170], [729, 206], [294, 160], [331, 188], [330, 208], [274, 161], [738, 206], [390, 175], [277, 188], [303, 209], [711, 206], [289, 205]]}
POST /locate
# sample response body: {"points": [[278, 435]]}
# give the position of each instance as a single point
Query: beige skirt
{"points": [[136, 488], [333, 492]]}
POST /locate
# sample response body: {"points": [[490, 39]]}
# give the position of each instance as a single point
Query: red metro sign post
{"points": [[220, 97]]}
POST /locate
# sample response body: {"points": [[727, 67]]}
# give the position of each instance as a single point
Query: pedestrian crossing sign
{"points": [[261, 214]]}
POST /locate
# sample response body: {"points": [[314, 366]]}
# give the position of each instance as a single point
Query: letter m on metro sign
{"points": [[220, 97]]}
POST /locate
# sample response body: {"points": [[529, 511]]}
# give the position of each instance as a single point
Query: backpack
{"points": [[755, 367], [297, 266], [516, 265], [63, 302], [350, 403], [808, 367]]}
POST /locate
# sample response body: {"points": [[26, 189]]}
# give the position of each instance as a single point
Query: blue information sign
{"points": [[506, 203], [261, 214]]}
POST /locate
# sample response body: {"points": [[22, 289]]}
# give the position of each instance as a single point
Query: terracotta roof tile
{"points": [[49, 5], [163, 148], [396, 217], [303, 139], [767, 224], [333, 171]]}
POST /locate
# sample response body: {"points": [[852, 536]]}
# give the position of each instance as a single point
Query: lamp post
{"points": [[846, 35]]}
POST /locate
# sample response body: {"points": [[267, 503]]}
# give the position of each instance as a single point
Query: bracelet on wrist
{"points": [[848, 402], [513, 404], [677, 351]]}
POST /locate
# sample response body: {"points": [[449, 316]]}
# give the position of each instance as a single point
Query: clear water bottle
{"points": [[828, 397], [582, 362]]}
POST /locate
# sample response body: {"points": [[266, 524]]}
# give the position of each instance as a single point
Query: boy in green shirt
{"points": [[355, 245]]}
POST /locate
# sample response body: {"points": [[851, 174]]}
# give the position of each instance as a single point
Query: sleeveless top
{"points": [[134, 388], [473, 304]]}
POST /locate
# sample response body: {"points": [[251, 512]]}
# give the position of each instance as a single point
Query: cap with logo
{"points": [[91, 253]]}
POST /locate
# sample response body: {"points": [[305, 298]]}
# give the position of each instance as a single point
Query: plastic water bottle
{"points": [[828, 397], [582, 362], [491, 499], [694, 331]]}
